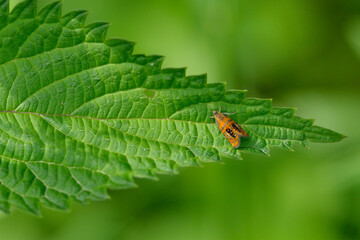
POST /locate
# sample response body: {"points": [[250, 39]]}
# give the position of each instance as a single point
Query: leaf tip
{"points": [[306, 144], [96, 32], [75, 18], [51, 13]]}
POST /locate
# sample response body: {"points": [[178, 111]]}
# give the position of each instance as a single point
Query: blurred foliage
{"points": [[300, 52]]}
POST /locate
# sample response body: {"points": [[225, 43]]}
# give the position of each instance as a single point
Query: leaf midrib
{"points": [[158, 119], [102, 119]]}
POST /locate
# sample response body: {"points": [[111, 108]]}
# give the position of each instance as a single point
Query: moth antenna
{"points": [[230, 113]]}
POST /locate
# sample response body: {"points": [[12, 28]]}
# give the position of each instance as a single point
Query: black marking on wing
{"points": [[230, 132], [236, 127]]}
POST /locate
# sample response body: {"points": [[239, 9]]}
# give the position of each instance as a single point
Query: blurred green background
{"points": [[302, 53]]}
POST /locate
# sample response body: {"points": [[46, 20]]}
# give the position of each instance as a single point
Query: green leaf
{"points": [[80, 114]]}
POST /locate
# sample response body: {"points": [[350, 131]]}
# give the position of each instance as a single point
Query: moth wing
{"points": [[239, 130], [221, 120], [233, 140], [227, 135], [236, 143]]}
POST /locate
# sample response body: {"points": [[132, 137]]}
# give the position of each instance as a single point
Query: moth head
{"points": [[217, 113], [218, 116]]}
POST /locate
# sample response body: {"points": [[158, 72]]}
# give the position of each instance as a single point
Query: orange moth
{"points": [[229, 128]]}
